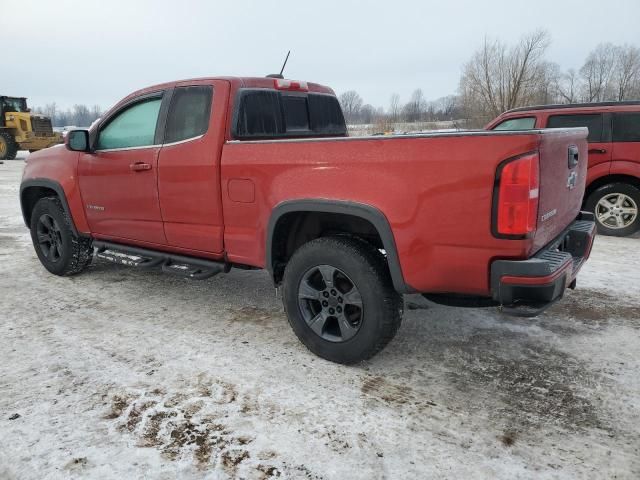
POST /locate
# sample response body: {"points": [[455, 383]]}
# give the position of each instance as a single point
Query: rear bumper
{"points": [[527, 287]]}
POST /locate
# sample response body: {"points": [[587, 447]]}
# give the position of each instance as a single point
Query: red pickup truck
{"points": [[198, 176]]}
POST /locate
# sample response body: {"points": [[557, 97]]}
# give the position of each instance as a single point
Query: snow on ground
{"points": [[122, 374]]}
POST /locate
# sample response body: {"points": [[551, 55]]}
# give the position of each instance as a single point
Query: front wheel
{"points": [[8, 146], [340, 300], [60, 251], [616, 208]]}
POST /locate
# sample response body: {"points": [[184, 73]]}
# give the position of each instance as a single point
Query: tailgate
{"points": [[563, 173]]}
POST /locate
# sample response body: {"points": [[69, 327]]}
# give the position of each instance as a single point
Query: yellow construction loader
{"points": [[22, 130]]}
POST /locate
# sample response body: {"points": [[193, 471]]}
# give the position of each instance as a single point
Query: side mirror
{"points": [[77, 140]]}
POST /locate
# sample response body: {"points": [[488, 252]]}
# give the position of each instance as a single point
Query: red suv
{"points": [[613, 178]]}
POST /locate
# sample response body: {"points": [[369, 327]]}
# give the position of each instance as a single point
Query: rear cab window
{"points": [[593, 121], [189, 113], [265, 113], [626, 127], [520, 123]]}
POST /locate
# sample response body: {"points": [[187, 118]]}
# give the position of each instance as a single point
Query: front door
{"points": [[118, 180]]}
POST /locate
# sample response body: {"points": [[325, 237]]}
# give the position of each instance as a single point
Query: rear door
{"points": [[599, 125], [626, 137], [118, 180], [189, 166]]}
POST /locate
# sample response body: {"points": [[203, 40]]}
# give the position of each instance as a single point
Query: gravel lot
{"points": [[121, 374]]}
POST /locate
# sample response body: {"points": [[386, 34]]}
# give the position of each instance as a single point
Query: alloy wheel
{"points": [[330, 303], [49, 238], [616, 211]]}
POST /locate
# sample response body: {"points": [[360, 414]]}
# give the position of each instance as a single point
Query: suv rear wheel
{"points": [[60, 251], [617, 209], [340, 300]]}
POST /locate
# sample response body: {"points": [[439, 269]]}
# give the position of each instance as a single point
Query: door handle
{"points": [[597, 150], [140, 167]]}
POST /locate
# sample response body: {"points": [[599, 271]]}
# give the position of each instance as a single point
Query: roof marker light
{"points": [[293, 85]]}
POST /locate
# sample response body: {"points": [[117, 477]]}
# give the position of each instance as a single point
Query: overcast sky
{"points": [[96, 52]]}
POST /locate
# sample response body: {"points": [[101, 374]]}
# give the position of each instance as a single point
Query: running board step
{"points": [[128, 259], [188, 267], [190, 271]]}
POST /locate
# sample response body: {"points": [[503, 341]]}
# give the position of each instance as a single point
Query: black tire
{"points": [[607, 226], [8, 146], [60, 251], [354, 262]]}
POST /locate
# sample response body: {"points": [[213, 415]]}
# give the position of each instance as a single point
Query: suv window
{"points": [[592, 121], [133, 127], [523, 123], [263, 113], [626, 127], [189, 113]]}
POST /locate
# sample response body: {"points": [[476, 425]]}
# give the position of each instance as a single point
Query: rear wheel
{"points": [[8, 146], [340, 300], [60, 251], [617, 209]]}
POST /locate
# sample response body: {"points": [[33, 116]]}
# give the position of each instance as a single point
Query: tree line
{"points": [[499, 77], [78, 115]]}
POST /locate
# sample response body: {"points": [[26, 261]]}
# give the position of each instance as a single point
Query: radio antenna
{"points": [[279, 75], [285, 62]]}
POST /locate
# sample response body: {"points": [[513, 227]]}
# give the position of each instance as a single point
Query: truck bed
{"points": [[436, 191]]}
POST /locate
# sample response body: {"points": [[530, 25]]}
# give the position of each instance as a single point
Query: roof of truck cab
{"points": [[236, 82]]}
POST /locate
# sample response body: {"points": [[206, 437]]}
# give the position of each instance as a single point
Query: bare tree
{"points": [[568, 86], [597, 72], [443, 108], [394, 108], [82, 116], [414, 110], [367, 113], [627, 72], [498, 78], [50, 110], [548, 79], [96, 112], [351, 104]]}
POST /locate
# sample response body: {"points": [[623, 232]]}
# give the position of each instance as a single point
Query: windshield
{"points": [[521, 123], [14, 105]]}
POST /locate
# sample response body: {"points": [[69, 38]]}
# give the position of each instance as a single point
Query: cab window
{"points": [[522, 123], [134, 126], [189, 113], [266, 113], [592, 121]]}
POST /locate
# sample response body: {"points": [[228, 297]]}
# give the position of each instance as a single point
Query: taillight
{"points": [[295, 85], [518, 191]]}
